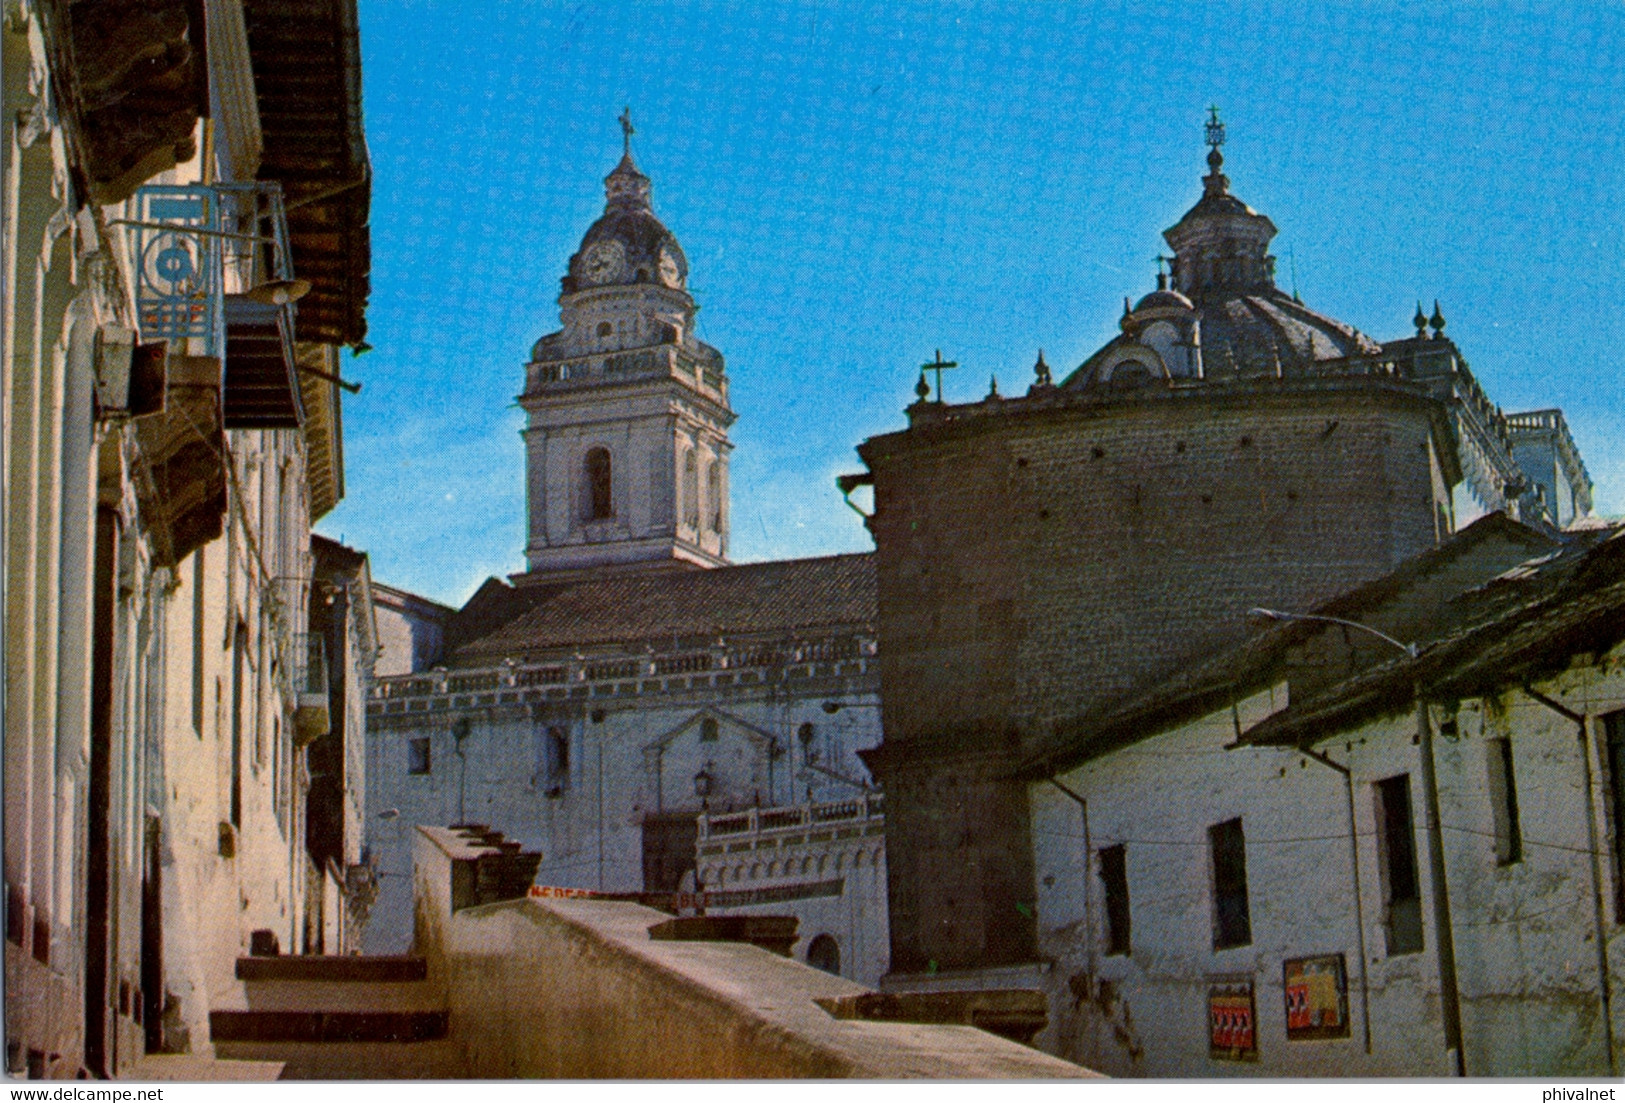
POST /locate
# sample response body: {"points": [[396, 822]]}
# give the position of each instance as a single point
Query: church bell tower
{"points": [[626, 441]]}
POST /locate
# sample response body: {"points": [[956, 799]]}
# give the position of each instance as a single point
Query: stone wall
{"points": [[578, 989], [1034, 563], [1041, 556]]}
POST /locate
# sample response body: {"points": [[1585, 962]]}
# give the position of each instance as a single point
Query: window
{"points": [[417, 756], [708, 730], [605, 329], [1614, 787], [1504, 802], [713, 494], [1228, 850], [600, 503], [1114, 872], [824, 953], [557, 746], [1396, 862], [691, 490]]}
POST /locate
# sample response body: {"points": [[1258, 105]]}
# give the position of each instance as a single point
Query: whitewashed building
{"points": [[1240, 874], [186, 231]]}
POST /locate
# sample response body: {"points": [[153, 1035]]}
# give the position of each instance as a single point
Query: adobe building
{"points": [[1040, 557]]}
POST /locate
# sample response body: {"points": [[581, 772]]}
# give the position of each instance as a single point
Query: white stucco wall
{"points": [[1524, 933], [632, 754]]}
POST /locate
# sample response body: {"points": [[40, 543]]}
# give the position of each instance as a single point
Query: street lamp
{"points": [[1449, 995], [1276, 614]]}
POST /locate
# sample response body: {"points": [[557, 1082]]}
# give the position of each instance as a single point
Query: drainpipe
{"points": [[1088, 880], [1596, 873], [1359, 905], [1449, 991]]}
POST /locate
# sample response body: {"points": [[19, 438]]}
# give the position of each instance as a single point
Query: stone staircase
{"points": [[338, 1018], [367, 1018]]}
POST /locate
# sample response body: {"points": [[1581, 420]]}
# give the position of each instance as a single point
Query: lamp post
{"points": [[1449, 994]]}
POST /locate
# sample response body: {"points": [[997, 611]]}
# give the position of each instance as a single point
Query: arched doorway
{"points": [[824, 953]]}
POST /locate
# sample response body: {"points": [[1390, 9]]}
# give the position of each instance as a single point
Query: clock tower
{"points": [[626, 441]]}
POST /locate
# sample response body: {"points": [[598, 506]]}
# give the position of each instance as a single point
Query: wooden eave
{"points": [[307, 76]]}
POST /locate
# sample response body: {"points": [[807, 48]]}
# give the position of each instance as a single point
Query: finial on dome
{"points": [[922, 388], [625, 185], [1420, 321], [1162, 272], [993, 386], [1041, 370], [1437, 321], [1215, 182]]}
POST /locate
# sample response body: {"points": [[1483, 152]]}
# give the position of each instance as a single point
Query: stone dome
{"points": [[628, 244], [1223, 271], [1163, 298]]}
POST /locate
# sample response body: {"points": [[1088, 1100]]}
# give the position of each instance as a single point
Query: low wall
{"points": [[576, 988]]}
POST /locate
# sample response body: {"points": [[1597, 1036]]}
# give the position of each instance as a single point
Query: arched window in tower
{"points": [[713, 494], [605, 329], [600, 502], [691, 490]]}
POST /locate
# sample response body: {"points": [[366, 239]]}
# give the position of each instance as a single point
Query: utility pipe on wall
{"points": [[1359, 906], [1449, 992], [1595, 848]]}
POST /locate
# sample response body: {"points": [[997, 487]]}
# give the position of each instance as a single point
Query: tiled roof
{"points": [[1393, 600], [1522, 626], [784, 596]]}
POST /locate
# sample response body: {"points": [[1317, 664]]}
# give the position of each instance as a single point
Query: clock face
{"points": [[670, 274], [603, 262]]}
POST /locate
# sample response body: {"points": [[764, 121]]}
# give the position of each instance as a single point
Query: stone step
{"points": [[330, 995], [393, 968], [196, 1067], [440, 1059], [326, 1027]]}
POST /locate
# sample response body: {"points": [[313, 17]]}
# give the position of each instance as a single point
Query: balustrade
{"points": [[791, 817], [765, 657]]}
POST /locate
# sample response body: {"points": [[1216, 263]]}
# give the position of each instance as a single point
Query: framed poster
{"points": [[1232, 1019], [1317, 997]]}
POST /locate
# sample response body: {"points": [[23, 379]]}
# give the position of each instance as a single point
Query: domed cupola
{"points": [[1221, 246], [1230, 319], [628, 244]]}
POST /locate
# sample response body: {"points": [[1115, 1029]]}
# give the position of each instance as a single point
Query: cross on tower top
{"points": [[937, 365], [626, 130], [1215, 128]]}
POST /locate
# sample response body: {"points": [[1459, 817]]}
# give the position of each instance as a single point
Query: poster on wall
{"points": [[1317, 997], [1232, 1019]]}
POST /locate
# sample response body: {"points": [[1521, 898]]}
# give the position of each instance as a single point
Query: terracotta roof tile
{"points": [[783, 596]]}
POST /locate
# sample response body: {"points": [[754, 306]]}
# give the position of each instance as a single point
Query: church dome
{"points": [[1223, 271], [628, 244], [1163, 298]]}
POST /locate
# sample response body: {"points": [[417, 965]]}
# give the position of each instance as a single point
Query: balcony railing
{"points": [[309, 663], [758, 821], [192, 243], [720, 664]]}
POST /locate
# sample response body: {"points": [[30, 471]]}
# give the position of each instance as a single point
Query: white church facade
{"points": [[646, 715]]}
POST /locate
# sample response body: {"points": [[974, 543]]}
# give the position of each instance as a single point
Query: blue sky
{"points": [[858, 185]]}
